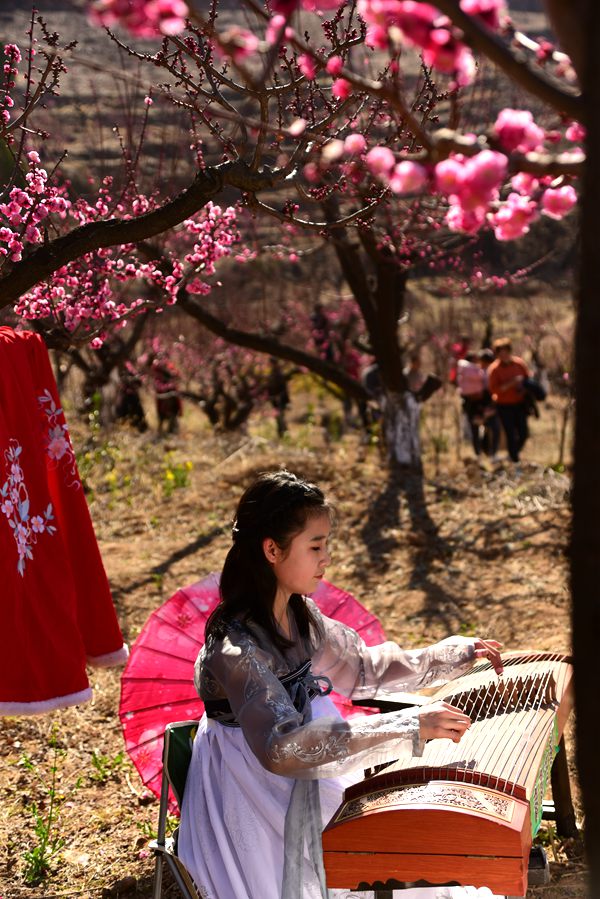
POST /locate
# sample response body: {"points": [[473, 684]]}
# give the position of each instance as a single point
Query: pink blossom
{"points": [[238, 43], [354, 145], [408, 177], [287, 7], [341, 88], [311, 172], [320, 5], [307, 66], [274, 28], [380, 161], [334, 66], [377, 37], [487, 10], [197, 286], [416, 20], [514, 217], [148, 101], [467, 221], [12, 53], [449, 175], [143, 18], [557, 202], [516, 130], [524, 183], [485, 172], [445, 53], [575, 132]]}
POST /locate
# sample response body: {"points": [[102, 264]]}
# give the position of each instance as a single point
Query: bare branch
{"points": [[265, 343]]}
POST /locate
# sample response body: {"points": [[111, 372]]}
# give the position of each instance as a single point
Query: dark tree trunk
{"points": [[585, 541], [378, 284]]}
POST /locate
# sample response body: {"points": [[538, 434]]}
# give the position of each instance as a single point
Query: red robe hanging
{"points": [[55, 602]]}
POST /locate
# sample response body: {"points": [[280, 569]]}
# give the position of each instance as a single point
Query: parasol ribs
{"points": [[463, 813]]}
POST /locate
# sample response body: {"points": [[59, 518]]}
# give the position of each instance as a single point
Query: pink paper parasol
{"points": [[157, 684]]}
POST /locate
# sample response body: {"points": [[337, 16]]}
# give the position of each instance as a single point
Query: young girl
{"points": [[272, 756]]}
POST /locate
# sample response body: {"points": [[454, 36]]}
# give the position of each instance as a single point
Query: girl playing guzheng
{"points": [[272, 755]]}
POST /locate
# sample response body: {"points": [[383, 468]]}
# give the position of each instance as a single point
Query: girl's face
{"points": [[300, 568]]}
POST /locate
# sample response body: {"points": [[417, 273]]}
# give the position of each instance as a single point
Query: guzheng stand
{"points": [[464, 815]]}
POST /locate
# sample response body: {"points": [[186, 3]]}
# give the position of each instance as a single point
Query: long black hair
{"points": [[277, 505]]}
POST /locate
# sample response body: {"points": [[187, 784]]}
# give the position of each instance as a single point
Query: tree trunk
{"points": [[401, 429], [585, 540]]}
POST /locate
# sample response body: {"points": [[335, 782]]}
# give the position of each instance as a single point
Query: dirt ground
{"points": [[469, 550]]}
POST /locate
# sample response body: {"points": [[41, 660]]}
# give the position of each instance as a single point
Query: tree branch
{"points": [[264, 343], [42, 262], [515, 65]]}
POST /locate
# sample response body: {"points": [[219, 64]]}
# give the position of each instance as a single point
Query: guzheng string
{"points": [[521, 695], [543, 695]]}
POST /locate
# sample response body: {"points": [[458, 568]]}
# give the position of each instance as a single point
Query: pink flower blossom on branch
{"points": [[575, 132], [420, 25], [380, 161], [408, 177], [489, 11], [516, 130], [558, 202], [307, 66], [341, 88], [142, 18], [355, 144], [514, 217]]}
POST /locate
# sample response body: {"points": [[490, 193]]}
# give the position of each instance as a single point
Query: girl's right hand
{"points": [[440, 719]]}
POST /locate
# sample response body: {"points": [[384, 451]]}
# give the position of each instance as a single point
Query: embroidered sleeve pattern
{"points": [[278, 734], [357, 670]]}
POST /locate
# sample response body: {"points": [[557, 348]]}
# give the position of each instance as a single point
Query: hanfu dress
{"points": [[57, 610], [268, 770]]}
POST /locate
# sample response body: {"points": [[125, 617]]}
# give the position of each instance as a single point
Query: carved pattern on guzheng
{"points": [[472, 798]]}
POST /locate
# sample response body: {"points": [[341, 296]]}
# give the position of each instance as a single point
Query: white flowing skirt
{"points": [[233, 815]]}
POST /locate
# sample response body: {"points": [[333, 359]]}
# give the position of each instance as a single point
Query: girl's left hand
{"points": [[489, 649]]}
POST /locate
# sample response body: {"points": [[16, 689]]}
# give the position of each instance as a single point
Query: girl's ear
{"points": [[270, 549]]}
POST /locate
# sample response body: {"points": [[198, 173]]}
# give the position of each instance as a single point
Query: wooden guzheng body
{"points": [[463, 813]]}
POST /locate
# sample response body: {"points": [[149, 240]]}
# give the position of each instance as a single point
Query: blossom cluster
{"points": [[12, 58], [142, 18], [90, 292], [474, 185], [26, 209]]}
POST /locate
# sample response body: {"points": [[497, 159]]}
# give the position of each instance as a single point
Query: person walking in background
{"points": [[129, 405], [169, 408], [505, 379], [320, 332], [470, 380], [491, 424], [277, 391], [414, 374]]}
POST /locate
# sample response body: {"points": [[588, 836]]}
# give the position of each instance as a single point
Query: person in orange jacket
{"points": [[506, 377]]}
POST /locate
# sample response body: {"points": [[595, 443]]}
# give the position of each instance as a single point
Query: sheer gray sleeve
{"points": [[358, 670], [274, 730]]}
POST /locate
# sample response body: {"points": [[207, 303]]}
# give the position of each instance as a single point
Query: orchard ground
{"points": [[477, 551]]}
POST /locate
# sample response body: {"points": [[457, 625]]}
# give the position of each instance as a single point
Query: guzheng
{"points": [[462, 813]]}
